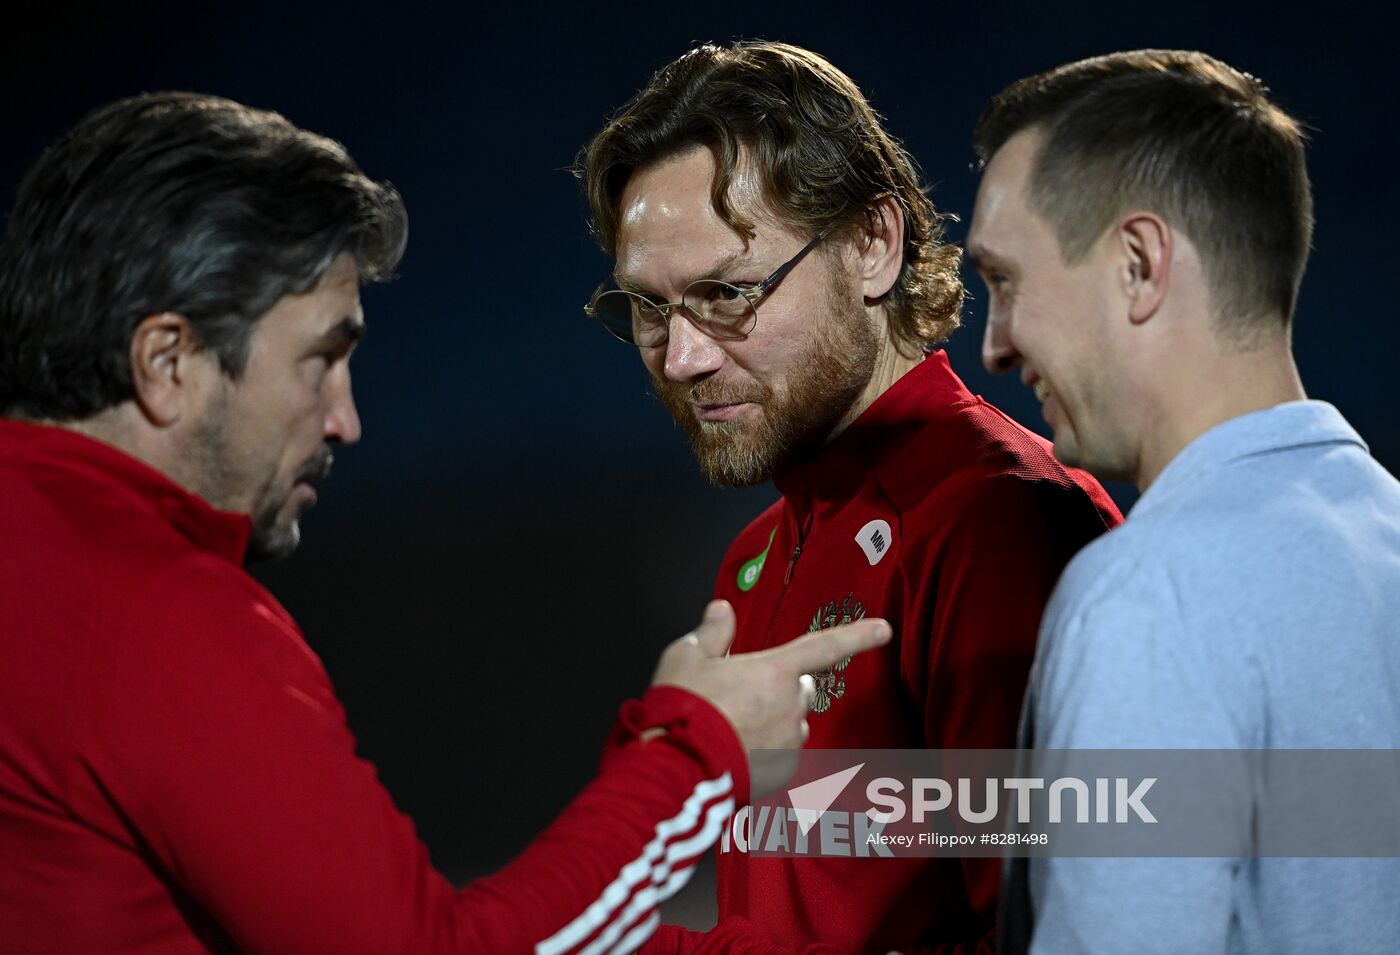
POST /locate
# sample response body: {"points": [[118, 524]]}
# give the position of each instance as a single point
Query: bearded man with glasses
{"points": [[781, 272]]}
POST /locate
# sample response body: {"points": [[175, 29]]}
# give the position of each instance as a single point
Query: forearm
{"points": [[628, 842]]}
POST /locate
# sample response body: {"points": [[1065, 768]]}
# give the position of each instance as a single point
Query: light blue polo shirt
{"points": [[1251, 600]]}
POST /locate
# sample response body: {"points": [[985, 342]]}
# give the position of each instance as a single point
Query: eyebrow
{"points": [[713, 272], [978, 257], [347, 331]]}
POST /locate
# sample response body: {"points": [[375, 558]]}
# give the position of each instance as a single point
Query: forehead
{"points": [[1002, 197], [667, 220], [335, 297], [341, 278]]}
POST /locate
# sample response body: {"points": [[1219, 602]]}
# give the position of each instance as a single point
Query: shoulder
{"points": [[170, 611], [222, 625], [974, 462], [198, 641], [1224, 588], [96, 548], [1135, 634], [1000, 511]]}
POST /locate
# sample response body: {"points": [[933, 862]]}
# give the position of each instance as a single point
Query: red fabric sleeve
{"points": [[222, 746]]}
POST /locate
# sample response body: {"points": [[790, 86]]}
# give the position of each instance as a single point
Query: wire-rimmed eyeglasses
{"points": [[718, 309]]}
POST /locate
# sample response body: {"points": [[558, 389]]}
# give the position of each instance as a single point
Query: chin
{"points": [[274, 540], [722, 477], [725, 471], [733, 463]]}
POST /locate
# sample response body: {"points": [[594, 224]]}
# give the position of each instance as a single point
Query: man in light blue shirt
{"points": [[1142, 227]]}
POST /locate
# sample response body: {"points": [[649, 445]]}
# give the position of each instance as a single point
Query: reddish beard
{"points": [[797, 417]]}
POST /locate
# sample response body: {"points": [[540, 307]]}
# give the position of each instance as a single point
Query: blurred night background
{"points": [[500, 560]]}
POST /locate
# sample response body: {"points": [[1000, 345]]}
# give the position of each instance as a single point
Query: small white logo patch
{"points": [[875, 539]]}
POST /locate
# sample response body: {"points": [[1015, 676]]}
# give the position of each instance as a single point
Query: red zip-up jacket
{"points": [[176, 775], [940, 514]]}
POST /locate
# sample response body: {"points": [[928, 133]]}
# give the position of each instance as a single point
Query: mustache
{"points": [[318, 467], [710, 392]]}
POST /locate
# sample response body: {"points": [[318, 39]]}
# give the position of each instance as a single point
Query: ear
{"points": [[882, 256], [168, 366], [1145, 255]]}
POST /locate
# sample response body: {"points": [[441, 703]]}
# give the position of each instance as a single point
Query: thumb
{"points": [[716, 630]]}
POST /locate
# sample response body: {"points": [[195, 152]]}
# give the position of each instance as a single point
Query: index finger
{"points": [[818, 650]]}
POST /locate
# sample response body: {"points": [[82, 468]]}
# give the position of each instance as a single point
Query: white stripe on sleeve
{"points": [[665, 883], [653, 866]]}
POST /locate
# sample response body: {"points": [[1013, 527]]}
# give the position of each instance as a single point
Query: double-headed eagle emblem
{"points": [[831, 682]]}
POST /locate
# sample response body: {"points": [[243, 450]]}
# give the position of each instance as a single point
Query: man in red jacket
{"points": [[179, 298], [780, 269]]}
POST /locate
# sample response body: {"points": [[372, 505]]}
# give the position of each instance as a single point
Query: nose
{"points": [[999, 354], [342, 418], [690, 353]]}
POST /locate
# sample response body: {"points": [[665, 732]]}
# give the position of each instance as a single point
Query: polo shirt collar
{"points": [[1293, 424]]}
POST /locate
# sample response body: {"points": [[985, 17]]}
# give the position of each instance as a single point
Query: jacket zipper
{"points": [[799, 533], [792, 562]]}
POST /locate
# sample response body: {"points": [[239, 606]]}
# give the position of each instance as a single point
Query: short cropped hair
{"points": [[1184, 135], [821, 153], [171, 202]]}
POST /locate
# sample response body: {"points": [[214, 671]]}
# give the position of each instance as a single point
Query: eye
{"points": [[646, 309], [320, 363], [997, 282]]}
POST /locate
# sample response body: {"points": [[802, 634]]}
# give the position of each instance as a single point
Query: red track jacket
{"points": [[176, 775], [940, 514]]}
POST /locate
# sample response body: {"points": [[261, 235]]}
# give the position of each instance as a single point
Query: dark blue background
{"points": [[521, 530]]}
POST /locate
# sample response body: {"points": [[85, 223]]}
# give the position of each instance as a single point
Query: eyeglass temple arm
{"points": [[762, 288], [591, 309]]}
